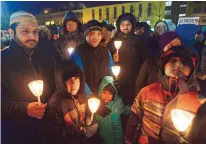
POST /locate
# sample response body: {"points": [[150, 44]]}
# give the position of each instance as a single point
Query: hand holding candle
{"points": [[70, 50], [93, 105], [117, 45], [36, 88], [181, 119], [116, 70]]}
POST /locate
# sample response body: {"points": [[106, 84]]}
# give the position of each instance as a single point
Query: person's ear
{"points": [[11, 32]]}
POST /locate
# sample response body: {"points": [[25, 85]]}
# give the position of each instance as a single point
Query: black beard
{"points": [[20, 43]]}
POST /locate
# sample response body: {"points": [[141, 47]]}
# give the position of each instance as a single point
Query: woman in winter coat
{"points": [[67, 118], [109, 125]]}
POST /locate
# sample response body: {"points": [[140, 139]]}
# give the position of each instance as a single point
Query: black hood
{"points": [[126, 16], [71, 16], [66, 69]]}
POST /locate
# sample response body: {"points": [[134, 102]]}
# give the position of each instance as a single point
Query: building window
{"points": [[123, 9], [47, 23], [107, 13], [140, 10], [197, 2], [93, 14], [181, 15], [100, 14], [149, 11], [46, 11], [196, 10], [131, 9], [204, 20], [183, 2], [168, 3], [182, 10], [167, 8], [52, 22], [115, 12], [168, 12], [184, 5], [204, 9]]}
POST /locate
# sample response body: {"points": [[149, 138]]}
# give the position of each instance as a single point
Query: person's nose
{"points": [[31, 35], [179, 64]]}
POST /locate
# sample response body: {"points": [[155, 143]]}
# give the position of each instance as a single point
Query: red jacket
{"points": [[149, 107]]}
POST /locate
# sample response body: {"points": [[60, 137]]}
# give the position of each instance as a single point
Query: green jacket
{"points": [[109, 128]]}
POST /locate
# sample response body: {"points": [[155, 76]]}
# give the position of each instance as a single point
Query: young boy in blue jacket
{"points": [[109, 112]]}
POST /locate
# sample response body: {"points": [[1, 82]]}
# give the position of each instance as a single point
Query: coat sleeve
{"points": [[120, 108], [141, 80], [56, 48], [142, 51], [12, 109], [53, 128], [111, 47], [111, 63], [75, 57], [133, 127]]}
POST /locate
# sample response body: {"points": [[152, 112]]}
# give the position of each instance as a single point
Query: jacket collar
{"points": [[18, 50], [122, 35]]}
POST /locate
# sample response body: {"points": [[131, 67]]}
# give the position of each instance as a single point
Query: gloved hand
{"points": [[103, 110], [91, 129]]}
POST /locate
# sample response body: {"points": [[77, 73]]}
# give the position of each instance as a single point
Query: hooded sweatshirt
{"points": [[110, 130]]}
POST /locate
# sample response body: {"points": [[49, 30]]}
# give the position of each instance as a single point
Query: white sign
{"points": [[188, 20]]}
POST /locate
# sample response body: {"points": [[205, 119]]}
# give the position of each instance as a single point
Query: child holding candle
{"points": [[109, 112], [67, 119]]}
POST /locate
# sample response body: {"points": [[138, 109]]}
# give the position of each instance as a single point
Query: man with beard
{"points": [[130, 57], [24, 61]]}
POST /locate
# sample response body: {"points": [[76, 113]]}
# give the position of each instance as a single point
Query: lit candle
{"points": [[117, 45], [181, 119], [36, 88], [93, 106], [70, 50], [116, 70]]}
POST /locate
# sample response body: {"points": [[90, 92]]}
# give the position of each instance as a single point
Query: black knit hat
{"points": [[181, 52], [110, 88], [70, 16], [74, 71], [91, 26]]}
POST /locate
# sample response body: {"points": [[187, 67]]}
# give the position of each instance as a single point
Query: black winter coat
{"points": [[18, 70], [60, 44], [132, 54], [96, 64], [148, 74], [54, 129]]}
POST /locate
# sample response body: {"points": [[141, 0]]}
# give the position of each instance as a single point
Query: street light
{"points": [[93, 106], [117, 45], [70, 50], [36, 88], [181, 119], [116, 70]]}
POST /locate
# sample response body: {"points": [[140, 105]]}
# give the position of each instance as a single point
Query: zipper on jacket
{"points": [[30, 56]]}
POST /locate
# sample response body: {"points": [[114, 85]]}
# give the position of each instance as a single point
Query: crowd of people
{"points": [[162, 72]]}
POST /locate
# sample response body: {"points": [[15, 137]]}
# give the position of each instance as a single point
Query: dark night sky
{"points": [[35, 7]]}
